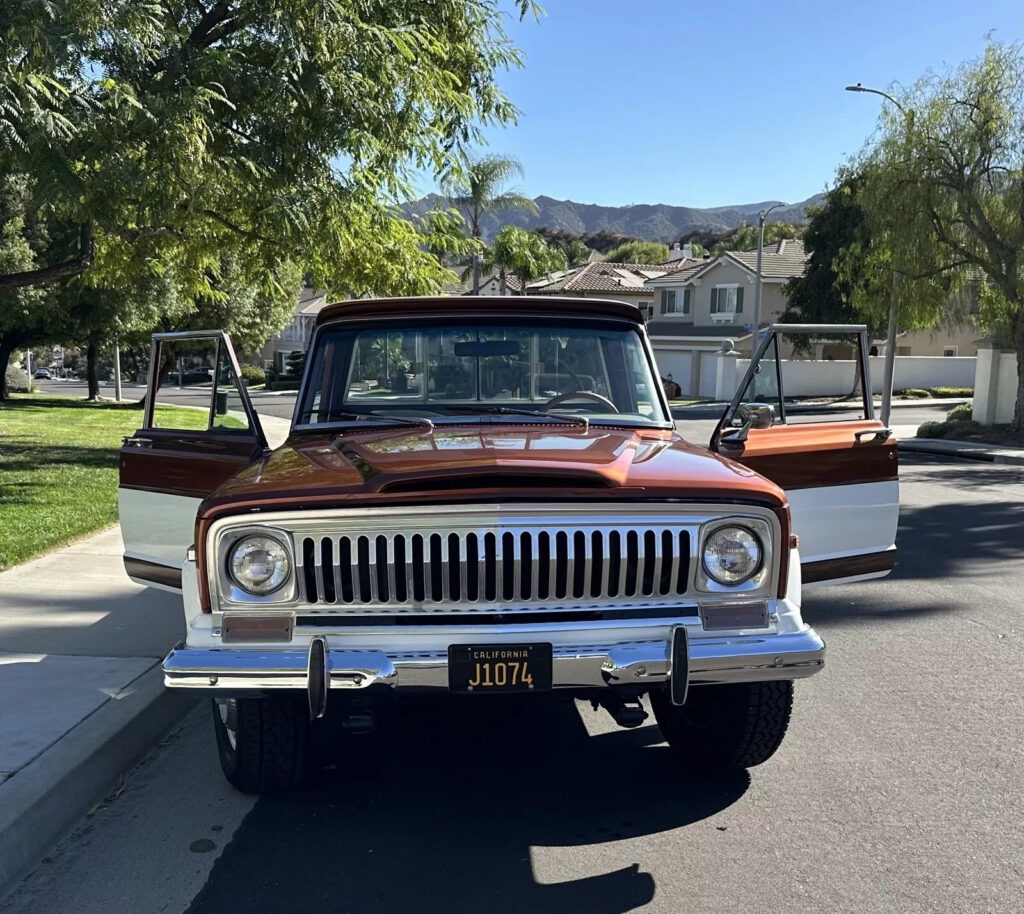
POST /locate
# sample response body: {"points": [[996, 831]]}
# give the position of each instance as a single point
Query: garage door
{"points": [[676, 364]]}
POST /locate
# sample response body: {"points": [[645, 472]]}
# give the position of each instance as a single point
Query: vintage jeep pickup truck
{"points": [[487, 495]]}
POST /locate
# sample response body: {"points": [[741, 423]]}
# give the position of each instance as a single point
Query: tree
{"points": [[28, 315], [638, 252], [169, 134], [744, 237], [573, 250], [823, 294], [524, 254], [478, 190], [943, 194]]}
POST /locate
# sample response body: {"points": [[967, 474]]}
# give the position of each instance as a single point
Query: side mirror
{"points": [[756, 415]]}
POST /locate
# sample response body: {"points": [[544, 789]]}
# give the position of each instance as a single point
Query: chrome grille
{"points": [[480, 569]]}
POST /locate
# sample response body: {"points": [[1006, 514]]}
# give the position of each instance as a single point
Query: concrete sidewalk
{"points": [[965, 450], [83, 695]]}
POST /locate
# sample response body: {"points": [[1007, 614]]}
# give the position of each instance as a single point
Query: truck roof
{"points": [[437, 305]]}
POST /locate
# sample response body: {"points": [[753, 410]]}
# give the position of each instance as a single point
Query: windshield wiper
{"points": [[581, 421], [415, 421]]}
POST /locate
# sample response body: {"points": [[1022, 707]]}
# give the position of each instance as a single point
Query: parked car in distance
{"points": [[42, 374], [523, 518]]}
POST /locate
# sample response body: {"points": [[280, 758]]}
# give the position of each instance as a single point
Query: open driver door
{"points": [[807, 423], [199, 429]]}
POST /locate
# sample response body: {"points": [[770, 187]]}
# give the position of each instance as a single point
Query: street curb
{"points": [[47, 798], [950, 449]]}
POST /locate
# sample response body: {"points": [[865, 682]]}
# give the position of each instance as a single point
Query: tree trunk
{"points": [[91, 370], [9, 343], [476, 274], [502, 283]]}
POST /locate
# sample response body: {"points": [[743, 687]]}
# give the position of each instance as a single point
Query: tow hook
{"points": [[626, 712]]}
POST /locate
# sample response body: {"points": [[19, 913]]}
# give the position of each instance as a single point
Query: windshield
{"points": [[517, 372]]}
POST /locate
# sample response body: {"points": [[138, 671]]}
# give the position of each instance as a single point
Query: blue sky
{"points": [[737, 101]]}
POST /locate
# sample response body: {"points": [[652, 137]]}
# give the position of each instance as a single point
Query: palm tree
{"points": [[481, 192], [524, 254]]}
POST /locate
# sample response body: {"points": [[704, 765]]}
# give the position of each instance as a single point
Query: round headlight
{"points": [[732, 555], [259, 564]]}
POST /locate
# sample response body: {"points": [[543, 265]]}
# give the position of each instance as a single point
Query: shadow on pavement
{"points": [[942, 539], [946, 540], [439, 810]]}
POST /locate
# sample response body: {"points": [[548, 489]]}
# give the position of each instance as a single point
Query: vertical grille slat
{"points": [[503, 566], [318, 572]]}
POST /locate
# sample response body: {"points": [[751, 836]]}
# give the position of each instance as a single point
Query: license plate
{"points": [[499, 667]]}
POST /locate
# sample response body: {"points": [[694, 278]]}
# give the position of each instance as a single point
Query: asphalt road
{"points": [[699, 420], [897, 789], [280, 405]]}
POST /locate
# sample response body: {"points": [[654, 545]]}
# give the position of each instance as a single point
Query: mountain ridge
{"points": [[648, 221]]}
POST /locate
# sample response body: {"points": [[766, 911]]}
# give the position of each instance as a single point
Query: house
{"points": [[622, 281], [703, 304], [296, 334]]}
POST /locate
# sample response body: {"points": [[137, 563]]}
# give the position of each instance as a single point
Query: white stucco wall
{"points": [[995, 386], [825, 378]]}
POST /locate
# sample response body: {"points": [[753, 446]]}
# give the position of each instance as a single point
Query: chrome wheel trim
{"points": [[227, 708]]}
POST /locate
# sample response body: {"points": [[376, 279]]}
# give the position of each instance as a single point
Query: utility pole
{"points": [[890, 336], [761, 216]]}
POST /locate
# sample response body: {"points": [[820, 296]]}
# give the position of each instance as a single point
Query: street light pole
{"points": [[890, 336], [761, 216], [117, 370]]}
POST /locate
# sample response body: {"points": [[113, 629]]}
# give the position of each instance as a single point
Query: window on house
{"points": [[949, 350], [646, 308], [675, 301], [726, 301]]}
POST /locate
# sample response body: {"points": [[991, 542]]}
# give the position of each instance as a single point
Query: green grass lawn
{"points": [[58, 468]]}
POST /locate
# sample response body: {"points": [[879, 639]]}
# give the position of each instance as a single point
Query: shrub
{"points": [[252, 375], [17, 381], [914, 393], [949, 392], [964, 412], [296, 364], [933, 430]]}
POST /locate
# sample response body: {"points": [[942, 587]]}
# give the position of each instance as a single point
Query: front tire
{"points": [[726, 727], [262, 742]]}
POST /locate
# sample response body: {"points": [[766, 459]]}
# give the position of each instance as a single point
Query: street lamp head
{"points": [[856, 88]]}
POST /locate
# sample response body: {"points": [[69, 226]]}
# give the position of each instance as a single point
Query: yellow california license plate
{"points": [[499, 667]]}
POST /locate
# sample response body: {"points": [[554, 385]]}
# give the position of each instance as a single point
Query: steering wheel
{"points": [[580, 395]]}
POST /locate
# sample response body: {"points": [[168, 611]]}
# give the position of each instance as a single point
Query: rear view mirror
{"points": [[484, 348]]}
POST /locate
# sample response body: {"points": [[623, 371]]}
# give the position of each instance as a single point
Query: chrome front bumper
{"points": [[749, 658]]}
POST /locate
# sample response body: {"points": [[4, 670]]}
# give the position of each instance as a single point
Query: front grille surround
{"points": [[499, 558], [479, 568]]}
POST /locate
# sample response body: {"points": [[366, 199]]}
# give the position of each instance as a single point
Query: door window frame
{"points": [[770, 339], [224, 346]]}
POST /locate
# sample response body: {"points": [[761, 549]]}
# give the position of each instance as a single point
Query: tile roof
{"points": [[607, 277], [781, 260], [310, 301]]}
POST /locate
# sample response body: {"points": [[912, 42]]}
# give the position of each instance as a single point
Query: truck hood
{"points": [[451, 463]]}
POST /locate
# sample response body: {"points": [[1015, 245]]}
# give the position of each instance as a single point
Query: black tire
{"points": [[262, 742], [726, 727]]}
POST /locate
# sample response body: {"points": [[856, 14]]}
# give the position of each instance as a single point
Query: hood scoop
{"points": [[454, 482]]}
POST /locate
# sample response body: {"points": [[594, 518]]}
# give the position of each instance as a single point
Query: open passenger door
{"points": [[199, 429], [808, 425]]}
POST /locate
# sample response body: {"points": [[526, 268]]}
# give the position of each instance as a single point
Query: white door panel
{"points": [[837, 521], [154, 525]]}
